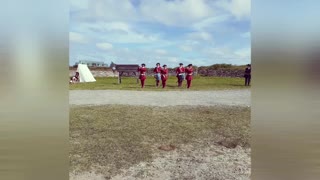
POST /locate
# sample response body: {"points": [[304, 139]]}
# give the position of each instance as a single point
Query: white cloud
{"points": [[118, 32], [175, 13], [104, 46], [241, 9], [186, 48], [200, 36], [76, 5], [173, 59], [108, 26], [207, 23], [77, 38], [110, 22], [109, 10], [226, 54], [244, 53], [246, 35], [161, 51], [131, 37]]}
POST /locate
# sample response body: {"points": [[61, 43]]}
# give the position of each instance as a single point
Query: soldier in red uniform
{"points": [[157, 74], [164, 75], [189, 73], [142, 70], [180, 74]]}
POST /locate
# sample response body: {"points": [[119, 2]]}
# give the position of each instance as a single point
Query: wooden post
{"points": [[137, 77], [118, 77]]}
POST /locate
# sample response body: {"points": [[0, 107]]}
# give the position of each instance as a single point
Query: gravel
{"points": [[162, 98]]}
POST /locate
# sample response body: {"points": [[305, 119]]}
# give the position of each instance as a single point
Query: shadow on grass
{"points": [[239, 85]]}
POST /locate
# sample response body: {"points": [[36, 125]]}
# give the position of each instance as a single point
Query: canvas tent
{"points": [[85, 74]]}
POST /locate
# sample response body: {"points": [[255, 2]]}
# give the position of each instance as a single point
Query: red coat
{"points": [[164, 74], [157, 70], [189, 73], [142, 71], [180, 70]]}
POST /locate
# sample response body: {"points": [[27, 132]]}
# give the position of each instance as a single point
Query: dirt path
{"points": [[162, 98]]}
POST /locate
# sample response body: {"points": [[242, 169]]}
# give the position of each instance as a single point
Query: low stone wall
{"points": [[222, 72], [107, 72], [97, 73]]}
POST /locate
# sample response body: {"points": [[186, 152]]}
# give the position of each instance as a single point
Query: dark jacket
{"points": [[247, 72]]}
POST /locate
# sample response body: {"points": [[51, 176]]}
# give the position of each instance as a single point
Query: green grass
{"points": [[108, 138], [130, 83]]}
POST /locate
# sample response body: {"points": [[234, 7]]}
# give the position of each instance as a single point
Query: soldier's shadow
{"points": [[238, 85]]}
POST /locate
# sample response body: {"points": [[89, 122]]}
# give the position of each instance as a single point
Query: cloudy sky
{"points": [[201, 32]]}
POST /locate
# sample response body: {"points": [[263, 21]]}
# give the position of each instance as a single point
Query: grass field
{"points": [[130, 83], [108, 138]]}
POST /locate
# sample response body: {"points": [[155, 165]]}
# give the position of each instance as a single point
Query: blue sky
{"points": [[201, 32]]}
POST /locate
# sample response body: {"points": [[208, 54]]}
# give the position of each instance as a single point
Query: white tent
{"points": [[85, 74]]}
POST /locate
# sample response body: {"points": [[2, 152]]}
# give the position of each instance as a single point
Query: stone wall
{"points": [[107, 72], [222, 72], [97, 73]]}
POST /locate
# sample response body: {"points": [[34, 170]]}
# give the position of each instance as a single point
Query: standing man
{"points": [[142, 70], [164, 75], [189, 72], [157, 74], [180, 74], [247, 75]]}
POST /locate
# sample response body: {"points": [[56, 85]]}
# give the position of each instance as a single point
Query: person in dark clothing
{"points": [[180, 71], [75, 79], [157, 74], [247, 75]]}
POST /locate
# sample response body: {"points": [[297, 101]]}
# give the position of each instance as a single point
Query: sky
{"points": [[200, 32]]}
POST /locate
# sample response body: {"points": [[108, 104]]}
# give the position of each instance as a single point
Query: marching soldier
{"points": [[164, 75], [157, 74], [180, 74], [142, 70], [247, 75], [189, 73]]}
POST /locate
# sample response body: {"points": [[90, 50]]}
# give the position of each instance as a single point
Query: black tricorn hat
{"points": [[189, 65], [164, 65], [181, 64], [143, 64], [249, 65], [158, 63]]}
